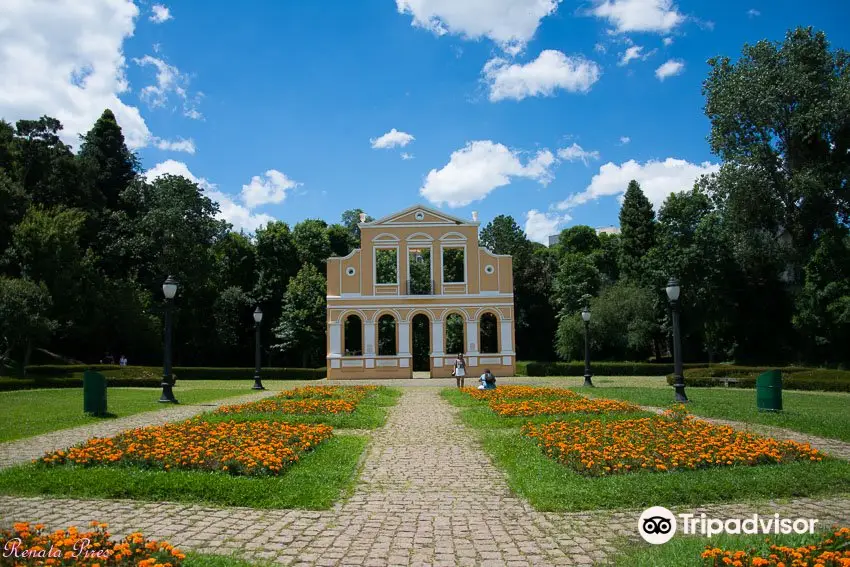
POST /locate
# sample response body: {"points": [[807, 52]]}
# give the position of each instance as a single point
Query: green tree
{"points": [[622, 326], [350, 220], [303, 316], [24, 318], [637, 226], [311, 242], [13, 205], [579, 239], [341, 241], [234, 322], [577, 276], [277, 263], [780, 118], [106, 159], [236, 262]]}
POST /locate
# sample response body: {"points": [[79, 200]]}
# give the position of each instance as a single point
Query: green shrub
{"points": [[115, 372], [601, 368], [521, 368], [793, 377]]}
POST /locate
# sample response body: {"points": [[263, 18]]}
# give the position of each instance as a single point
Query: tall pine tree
{"points": [[637, 223], [109, 163]]}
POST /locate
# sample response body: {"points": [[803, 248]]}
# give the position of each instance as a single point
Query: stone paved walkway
{"points": [[29, 448], [427, 495], [833, 447]]}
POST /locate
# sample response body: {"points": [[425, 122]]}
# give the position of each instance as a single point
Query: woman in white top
{"points": [[459, 370]]}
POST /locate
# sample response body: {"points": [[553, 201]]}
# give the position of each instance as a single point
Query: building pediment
{"points": [[419, 215]]}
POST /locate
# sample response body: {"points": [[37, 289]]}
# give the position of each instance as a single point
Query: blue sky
{"points": [[535, 108]]}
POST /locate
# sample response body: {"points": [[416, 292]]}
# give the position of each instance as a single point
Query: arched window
{"points": [[353, 331], [454, 334], [386, 336], [489, 341]]}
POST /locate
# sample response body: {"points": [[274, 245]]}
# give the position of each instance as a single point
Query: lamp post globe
{"points": [[585, 315], [169, 290], [258, 317], [673, 289]]}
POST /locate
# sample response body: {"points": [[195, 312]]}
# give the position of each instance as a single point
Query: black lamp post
{"points": [[169, 289], [585, 315], [258, 316], [673, 290]]}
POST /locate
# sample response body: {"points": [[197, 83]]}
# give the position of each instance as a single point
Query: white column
{"points": [[437, 338], [507, 337], [472, 337], [369, 334], [403, 337], [336, 340]]}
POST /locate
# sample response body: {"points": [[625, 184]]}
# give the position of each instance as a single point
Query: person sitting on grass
{"points": [[488, 381]]}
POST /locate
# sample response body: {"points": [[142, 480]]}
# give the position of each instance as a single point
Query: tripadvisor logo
{"points": [[658, 525]]}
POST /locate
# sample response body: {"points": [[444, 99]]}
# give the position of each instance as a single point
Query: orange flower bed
{"points": [[310, 400], [519, 393], [30, 545], [248, 448], [578, 404], [599, 448], [832, 551]]}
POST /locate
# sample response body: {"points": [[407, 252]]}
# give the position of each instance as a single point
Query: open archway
{"points": [[455, 334], [421, 336], [387, 344], [489, 330], [353, 336]]}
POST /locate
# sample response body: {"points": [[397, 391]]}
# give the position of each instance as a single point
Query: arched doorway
{"points": [[488, 343], [353, 336], [455, 334], [421, 335]]}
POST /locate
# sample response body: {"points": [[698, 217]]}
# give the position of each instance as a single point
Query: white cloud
{"points": [[657, 180], [169, 80], [624, 140], [576, 152], [539, 226], [552, 70], [600, 48], [160, 14], [269, 188], [632, 52], [668, 41], [669, 69], [406, 156], [639, 15], [509, 23], [239, 215], [753, 13], [477, 169], [391, 139], [64, 59], [179, 145]]}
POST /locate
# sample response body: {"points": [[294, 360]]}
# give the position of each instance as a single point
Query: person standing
{"points": [[459, 371]]}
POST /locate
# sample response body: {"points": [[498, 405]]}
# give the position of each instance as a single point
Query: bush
{"points": [[115, 372], [793, 377], [601, 368]]}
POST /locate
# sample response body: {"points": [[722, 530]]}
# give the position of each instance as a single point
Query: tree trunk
{"points": [[305, 356], [27, 354]]}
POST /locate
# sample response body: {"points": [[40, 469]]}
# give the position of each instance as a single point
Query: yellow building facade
{"points": [[418, 291]]}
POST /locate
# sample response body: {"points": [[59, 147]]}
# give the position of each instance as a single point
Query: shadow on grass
{"points": [[319, 479]]}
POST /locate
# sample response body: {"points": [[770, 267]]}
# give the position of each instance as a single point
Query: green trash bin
{"points": [[94, 393], [769, 391]]}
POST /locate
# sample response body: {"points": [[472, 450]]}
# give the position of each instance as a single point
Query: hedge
{"points": [[598, 368], [793, 377], [114, 371], [74, 381]]}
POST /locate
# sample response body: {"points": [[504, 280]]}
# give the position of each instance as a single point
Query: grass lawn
{"points": [[818, 413], [686, 550], [24, 413], [320, 478], [208, 560], [550, 486], [370, 413]]}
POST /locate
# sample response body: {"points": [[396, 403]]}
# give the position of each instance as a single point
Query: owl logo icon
{"points": [[657, 525]]}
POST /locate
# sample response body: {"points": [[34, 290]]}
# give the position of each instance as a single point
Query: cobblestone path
{"points": [[427, 495], [29, 448], [833, 447]]}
